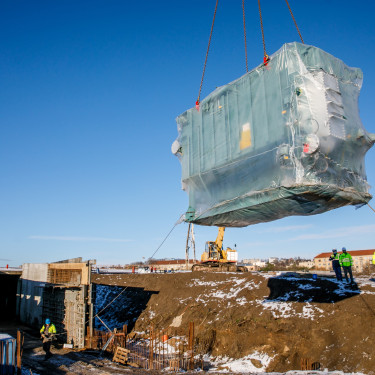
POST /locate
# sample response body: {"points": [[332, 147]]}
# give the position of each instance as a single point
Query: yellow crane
{"points": [[215, 258]]}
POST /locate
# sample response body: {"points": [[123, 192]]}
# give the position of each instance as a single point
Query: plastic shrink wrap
{"points": [[284, 139]]}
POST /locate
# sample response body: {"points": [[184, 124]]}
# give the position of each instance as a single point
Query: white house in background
{"points": [[306, 264], [260, 263], [255, 262], [272, 260], [250, 261]]}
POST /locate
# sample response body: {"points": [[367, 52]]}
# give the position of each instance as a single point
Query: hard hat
{"points": [[344, 249], [48, 321]]}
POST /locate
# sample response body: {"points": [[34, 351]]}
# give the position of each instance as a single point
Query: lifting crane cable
{"points": [[295, 22], [244, 32], [205, 61], [113, 300], [104, 308], [261, 28], [174, 226], [370, 207]]}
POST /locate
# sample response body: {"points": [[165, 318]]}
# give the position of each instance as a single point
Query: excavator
{"points": [[216, 259]]}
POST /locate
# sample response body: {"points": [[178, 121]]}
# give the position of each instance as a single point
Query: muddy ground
{"points": [[286, 318], [269, 322]]}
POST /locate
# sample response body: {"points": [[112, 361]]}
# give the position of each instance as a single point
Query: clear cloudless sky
{"points": [[89, 93]]}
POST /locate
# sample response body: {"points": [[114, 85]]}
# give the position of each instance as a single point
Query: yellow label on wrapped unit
{"points": [[245, 140]]}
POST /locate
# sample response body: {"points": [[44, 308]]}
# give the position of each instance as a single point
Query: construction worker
{"points": [[335, 259], [373, 258], [346, 262], [47, 333]]}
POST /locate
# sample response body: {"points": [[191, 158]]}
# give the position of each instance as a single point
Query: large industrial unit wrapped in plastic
{"points": [[284, 139]]}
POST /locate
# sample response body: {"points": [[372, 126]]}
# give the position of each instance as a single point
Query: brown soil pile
{"points": [[288, 317]]}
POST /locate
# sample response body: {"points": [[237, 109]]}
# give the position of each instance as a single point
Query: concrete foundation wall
{"points": [[35, 271], [30, 293], [30, 306], [57, 291]]}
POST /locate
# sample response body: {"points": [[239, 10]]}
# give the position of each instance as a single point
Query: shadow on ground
{"points": [[303, 288], [125, 309]]}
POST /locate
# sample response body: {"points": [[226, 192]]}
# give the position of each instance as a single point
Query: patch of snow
{"points": [[197, 282], [252, 363], [278, 309], [181, 301], [309, 311], [241, 301], [307, 286], [366, 292], [227, 295], [281, 309]]}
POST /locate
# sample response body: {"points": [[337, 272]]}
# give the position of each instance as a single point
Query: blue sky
{"points": [[89, 95]]}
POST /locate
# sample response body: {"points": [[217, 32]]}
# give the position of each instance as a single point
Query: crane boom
{"points": [[220, 238]]}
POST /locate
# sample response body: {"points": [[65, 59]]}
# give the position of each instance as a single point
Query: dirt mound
{"points": [[281, 318]]}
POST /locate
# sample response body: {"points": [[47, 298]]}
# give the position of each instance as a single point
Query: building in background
{"points": [[255, 262], [361, 260], [171, 264], [306, 264]]}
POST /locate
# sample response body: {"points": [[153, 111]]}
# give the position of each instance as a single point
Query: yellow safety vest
{"points": [[373, 259], [51, 329]]}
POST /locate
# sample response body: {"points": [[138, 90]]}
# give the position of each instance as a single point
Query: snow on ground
{"points": [[197, 282], [252, 363], [284, 306], [221, 294], [257, 363], [310, 372], [287, 309], [281, 307], [364, 282]]}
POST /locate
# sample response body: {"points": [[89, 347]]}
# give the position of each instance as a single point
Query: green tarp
{"points": [[284, 139]]}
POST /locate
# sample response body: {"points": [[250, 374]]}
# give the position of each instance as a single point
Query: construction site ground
{"points": [[269, 321], [244, 322]]}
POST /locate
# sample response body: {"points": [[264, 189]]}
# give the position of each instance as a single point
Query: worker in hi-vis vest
{"points": [[346, 262], [47, 333], [373, 258], [335, 259]]}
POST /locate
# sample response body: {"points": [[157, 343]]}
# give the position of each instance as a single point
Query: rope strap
{"points": [[244, 32], [205, 61], [295, 22]]}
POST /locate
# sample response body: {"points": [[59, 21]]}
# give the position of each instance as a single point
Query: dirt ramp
{"points": [[273, 321]]}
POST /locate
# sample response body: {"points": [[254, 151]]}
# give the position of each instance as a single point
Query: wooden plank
{"points": [[121, 355]]}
